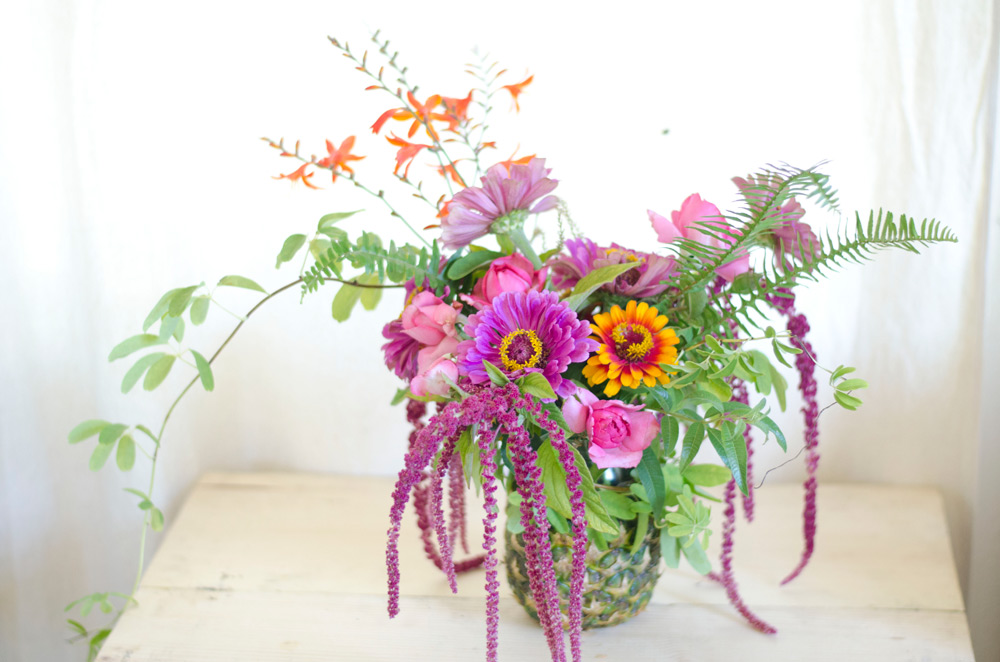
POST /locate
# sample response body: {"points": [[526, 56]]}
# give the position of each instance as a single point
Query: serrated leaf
{"points": [[595, 279], [240, 281], [110, 434], [100, 456], [557, 494], [732, 450], [199, 309], [137, 370], [692, 442], [496, 375], [466, 264], [706, 475], [179, 302], [204, 371], [133, 344], [344, 301], [156, 519], [126, 453], [537, 385], [158, 372], [86, 430], [327, 220], [290, 248]]}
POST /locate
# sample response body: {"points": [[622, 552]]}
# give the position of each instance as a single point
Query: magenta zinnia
{"points": [[505, 194], [524, 332]]}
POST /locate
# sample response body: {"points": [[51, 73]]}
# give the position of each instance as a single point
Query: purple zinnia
{"points": [[524, 332], [583, 256], [473, 210], [578, 261], [401, 350]]}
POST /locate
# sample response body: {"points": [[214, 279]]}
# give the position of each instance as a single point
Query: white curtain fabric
{"points": [[130, 164]]}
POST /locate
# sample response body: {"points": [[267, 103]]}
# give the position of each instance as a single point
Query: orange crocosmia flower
{"points": [[634, 343], [407, 152], [300, 175], [456, 110], [340, 157], [421, 114], [443, 211], [524, 160], [516, 89], [448, 170]]}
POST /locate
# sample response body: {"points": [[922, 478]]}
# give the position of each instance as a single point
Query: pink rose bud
{"points": [[618, 432], [512, 273], [436, 380]]}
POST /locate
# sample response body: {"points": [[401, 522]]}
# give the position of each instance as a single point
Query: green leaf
{"points": [[133, 344], [290, 248], [466, 264], [140, 494], [199, 309], [594, 280], [159, 309], [848, 402], [179, 330], [692, 442], [556, 416], [95, 644], [126, 453], [617, 504], [240, 281], [370, 296], [651, 477], [110, 434], [179, 302], [695, 555], [641, 529], [537, 385], [158, 372], [78, 628], [768, 426], [557, 521], [840, 372], [327, 220], [204, 371], [86, 430], [335, 234], [669, 433], [496, 374], [100, 455], [670, 549], [732, 450], [156, 519], [706, 475], [137, 370], [319, 246], [557, 494]]}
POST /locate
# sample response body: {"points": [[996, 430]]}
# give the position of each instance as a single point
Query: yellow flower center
{"points": [[520, 349], [632, 341]]}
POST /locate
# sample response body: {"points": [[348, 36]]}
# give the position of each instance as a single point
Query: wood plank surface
{"points": [[292, 566]]}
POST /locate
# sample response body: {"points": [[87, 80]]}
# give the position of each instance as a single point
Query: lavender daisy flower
{"points": [[506, 194], [523, 332]]}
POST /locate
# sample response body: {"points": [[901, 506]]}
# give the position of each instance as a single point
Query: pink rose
{"points": [[431, 322], [618, 432], [511, 273], [436, 380], [681, 225]]}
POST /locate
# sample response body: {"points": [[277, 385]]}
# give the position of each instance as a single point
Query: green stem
{"points": [[521, 241]]}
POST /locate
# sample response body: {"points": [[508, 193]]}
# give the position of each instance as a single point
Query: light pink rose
{"points": [[681, 225], [511, 273], [436, 380], [618, 432], [431, 322]]}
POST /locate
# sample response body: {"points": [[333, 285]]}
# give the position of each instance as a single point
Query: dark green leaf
{"points": [[732, 450], [240, 281], [133, 344], [290, 248], [204, 371], [692, 442], [126, 453], [669, 434], [199, 309], [651, 477], [110, 434], [466, 264], [137, 370], [586, 286], [100, 455], [158, 372], [537, 385], [86, 430]]}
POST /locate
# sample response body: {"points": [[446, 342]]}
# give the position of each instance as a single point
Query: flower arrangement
{"points": [[581, 379]]}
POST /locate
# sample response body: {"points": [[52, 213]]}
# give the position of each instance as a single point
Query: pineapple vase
{"points": [[619, 579]]}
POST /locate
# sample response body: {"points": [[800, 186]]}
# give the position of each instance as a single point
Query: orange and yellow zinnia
{"points": [[635, 342]]}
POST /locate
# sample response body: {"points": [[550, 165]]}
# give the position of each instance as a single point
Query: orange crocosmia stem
{"points": [[300, 175], [406, 154], [516, 89], [339, 158]]}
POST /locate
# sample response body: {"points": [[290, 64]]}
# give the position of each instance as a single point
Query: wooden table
{"points": [[292, 567]]}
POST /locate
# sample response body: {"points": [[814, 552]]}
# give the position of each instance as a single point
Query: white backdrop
{"points": [[130, 164]]}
